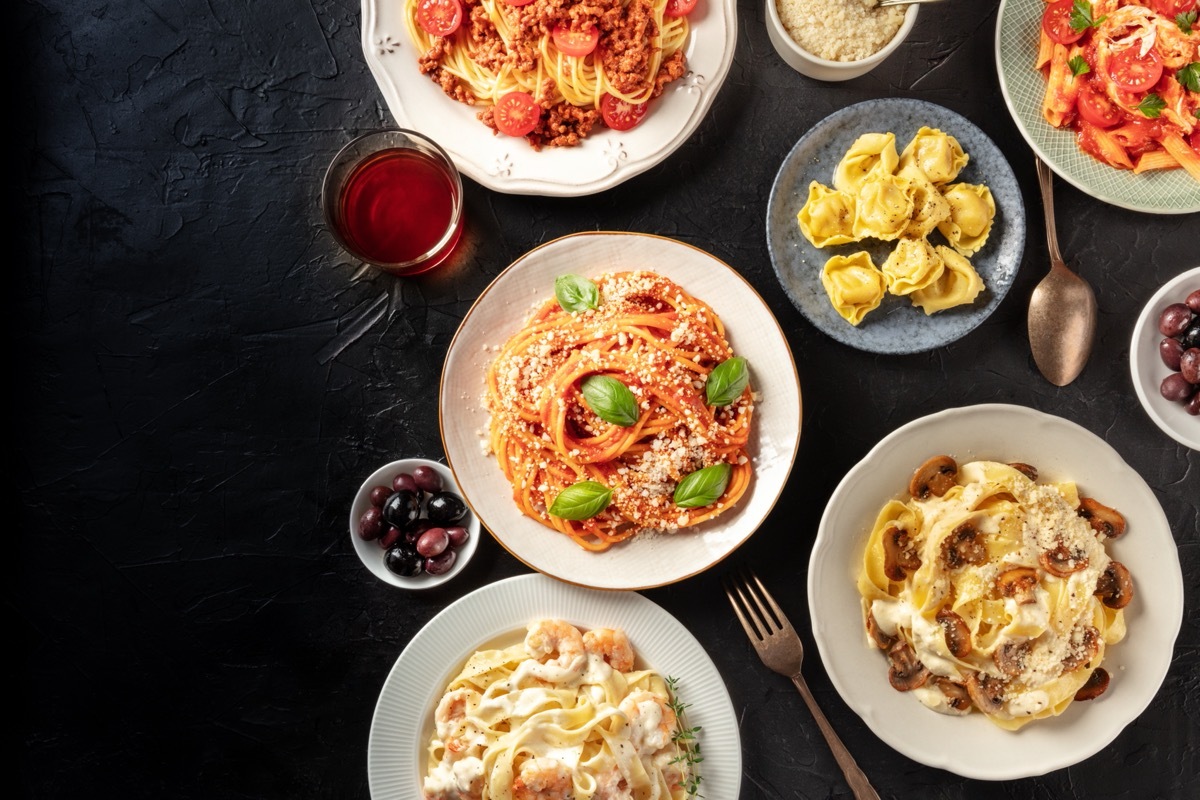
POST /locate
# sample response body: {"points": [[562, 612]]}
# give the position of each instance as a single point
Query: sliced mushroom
{"points": [[958, 635], [963, 546], [906, 672], [881, 639], [1085, 644], [1010, 657], [933, 478], [1114, 587], [1104, 520], [1025, 469], [1018, 583], [898, 554], [956, 693], [1097, 684], [1062, 561], [986, 692]]}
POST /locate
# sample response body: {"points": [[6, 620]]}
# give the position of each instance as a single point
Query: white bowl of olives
{"points": [[410, 525]]}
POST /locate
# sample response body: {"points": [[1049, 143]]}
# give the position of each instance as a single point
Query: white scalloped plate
{"points": [[641, 562], [497, 615], [509, 164], [972, 746]]}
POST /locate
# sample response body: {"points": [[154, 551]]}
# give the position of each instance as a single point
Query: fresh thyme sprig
{"points": [[686, 742]]}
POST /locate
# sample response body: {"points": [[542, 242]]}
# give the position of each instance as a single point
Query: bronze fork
{"points": [[780, 648]]}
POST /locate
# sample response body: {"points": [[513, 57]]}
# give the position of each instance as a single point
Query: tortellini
{"points": [[828, 216], [972, 211], [913, 265], [937, 154], [904, 198], [854, 285], [872, 154], [957, 285]]}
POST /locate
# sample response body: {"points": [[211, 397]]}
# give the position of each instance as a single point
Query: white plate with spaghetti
{"points": [[1159, 192], [972, 746], [509, 164], [503, 308], [496, 615]]}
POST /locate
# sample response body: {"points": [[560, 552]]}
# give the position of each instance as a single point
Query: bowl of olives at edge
{"points": [[1163, 358], [410, 525]]}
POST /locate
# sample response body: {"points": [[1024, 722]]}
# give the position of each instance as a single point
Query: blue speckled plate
{"points": [[896, 326]]}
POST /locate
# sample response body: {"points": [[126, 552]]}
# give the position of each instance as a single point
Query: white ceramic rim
{"points": [[371, 554], [498, 613], [505, 164], [910, 19], [971, 746], [644, 562], [1148, 371]]}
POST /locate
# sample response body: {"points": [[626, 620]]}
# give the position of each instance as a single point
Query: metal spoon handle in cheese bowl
{"points": [[1062, 310]]}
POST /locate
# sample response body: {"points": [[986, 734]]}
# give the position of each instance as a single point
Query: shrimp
{"points": [[611, 785], [549, 637], [611, 645], [652, 722], [544, 779], [451, 720]]}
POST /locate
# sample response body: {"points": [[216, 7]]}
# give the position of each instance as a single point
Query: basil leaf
{"points": [[703, 487], [1079, 66], [727, 382], [1152, 105], [611, 400], [576, 293], [1189, 76], [1185, 21], [580, 501]]}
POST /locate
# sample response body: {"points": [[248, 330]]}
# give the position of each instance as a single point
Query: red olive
{"points": [[1174, 319], [1189, 365], [405, 482], [1169, 350], [440, 564], [380, 494], [1193, 301], [1175, 387], [427, 478], [370, 525], [390, 537], [458, 535], [433, 542], [1193, 406]]}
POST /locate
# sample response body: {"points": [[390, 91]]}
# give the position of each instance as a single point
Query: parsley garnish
{"points": [[1152, 105], [1189, 76], [1081, 16], [1186, 21], [1079, 66], [1196, 113], [687, 747]]}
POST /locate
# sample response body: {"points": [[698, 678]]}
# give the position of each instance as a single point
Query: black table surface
{"points": [[204, 379]]}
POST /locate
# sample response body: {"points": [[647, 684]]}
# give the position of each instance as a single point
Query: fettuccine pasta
{"points": [[563, 715], [990, 591]]}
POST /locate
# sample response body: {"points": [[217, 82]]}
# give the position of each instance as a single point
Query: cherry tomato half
{"points": [[1133, 72], [518, 2], [575, 43], [1056, 22], [621, 115], [439, 17], [516, 114], [1097, 109], [679, 8], [1173, 8]]}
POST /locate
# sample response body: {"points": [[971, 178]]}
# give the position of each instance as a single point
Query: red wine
{"points": [[396, 206]]}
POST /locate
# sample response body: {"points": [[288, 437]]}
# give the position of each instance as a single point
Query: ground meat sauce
{"points": [[624, 47]]}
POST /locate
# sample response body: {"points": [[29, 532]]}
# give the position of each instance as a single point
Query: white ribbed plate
{"points": [[497, 615], [972, 746]]}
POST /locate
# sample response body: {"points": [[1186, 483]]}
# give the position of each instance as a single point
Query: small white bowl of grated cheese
{"points": [[836, 40]]}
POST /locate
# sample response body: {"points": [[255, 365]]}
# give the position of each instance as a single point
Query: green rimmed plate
{"points": [[1164, 192]]}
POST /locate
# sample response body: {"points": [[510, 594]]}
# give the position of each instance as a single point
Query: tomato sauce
{"points": [[396, 206]]}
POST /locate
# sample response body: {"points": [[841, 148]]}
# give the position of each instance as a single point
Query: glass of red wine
{"points": [[393, 199]]}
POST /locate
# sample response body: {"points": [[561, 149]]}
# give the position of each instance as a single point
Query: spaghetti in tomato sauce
{"points": [[1125, 76], [551, 70]]}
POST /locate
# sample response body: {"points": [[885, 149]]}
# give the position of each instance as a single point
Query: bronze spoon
{"points": [[1062, 310]]}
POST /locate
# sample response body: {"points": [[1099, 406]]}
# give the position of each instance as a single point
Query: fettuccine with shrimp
{"points": [[563, 714]]}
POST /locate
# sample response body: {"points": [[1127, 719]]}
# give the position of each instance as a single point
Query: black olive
{"points": [[404, 561], [1191, 337], [402, 509], [446, 508]]}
